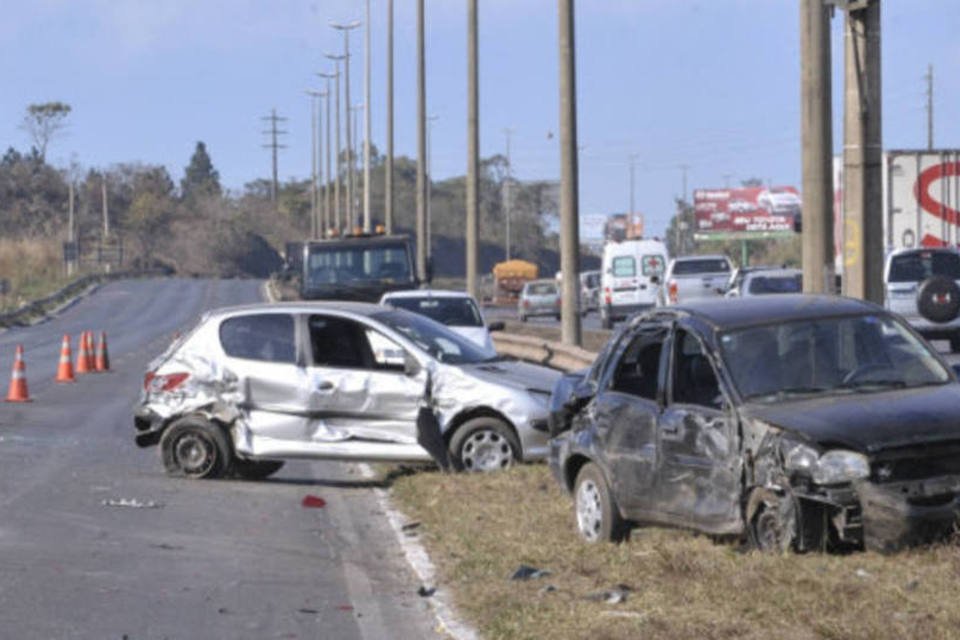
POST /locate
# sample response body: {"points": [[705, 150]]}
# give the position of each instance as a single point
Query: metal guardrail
{"points": [[540, 351]]}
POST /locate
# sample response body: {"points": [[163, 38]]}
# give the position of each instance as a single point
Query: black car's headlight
{"points": [[835, 466]]}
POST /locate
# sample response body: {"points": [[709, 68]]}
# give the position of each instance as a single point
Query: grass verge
{"points": [[480, 528]]}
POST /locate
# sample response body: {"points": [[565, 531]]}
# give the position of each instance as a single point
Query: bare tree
{"points": [[44, 121]]}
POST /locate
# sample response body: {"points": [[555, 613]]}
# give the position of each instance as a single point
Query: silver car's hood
{"points": [[521, 375]]}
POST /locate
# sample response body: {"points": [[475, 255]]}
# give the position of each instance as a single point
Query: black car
{"points": [[804, 422]]}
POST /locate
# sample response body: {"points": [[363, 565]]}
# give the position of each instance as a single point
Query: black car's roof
{"points": [[726, 313]]}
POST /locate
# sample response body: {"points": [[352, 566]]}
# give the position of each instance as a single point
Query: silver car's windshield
{"points": [[433, 338], [865, 353], [455, 312]]}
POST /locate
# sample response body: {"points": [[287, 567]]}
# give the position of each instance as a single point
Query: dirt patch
{"points": [[479, 529]]}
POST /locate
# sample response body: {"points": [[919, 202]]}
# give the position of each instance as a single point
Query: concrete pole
{"points": [[388, 173], [473, 151], [430, 120], [862, 156], [313, 164], [366, 123], [816, 131], [339, 159], [421, 148], [329, 220], [351, 160], [569, 191]]}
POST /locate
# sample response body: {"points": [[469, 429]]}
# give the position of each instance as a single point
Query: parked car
{"points": [[923, 286], [694, 277], [455, 309], [252, 386], [759, 282], [803, 422], [539, 298], [632, 273]]}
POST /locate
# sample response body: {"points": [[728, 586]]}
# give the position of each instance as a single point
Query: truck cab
{"points": [[360, 267]]}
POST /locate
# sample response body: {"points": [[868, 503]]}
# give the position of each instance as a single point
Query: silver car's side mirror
{"points": [[410, 366]]}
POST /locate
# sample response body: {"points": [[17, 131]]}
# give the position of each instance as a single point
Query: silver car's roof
{"points": [[355, 308]]}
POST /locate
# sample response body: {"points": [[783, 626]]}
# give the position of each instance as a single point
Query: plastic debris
{"points": [[526, 572], [313, 502], [547, 589], [863, 573], [426, 592], [616, 595], [410, 526], [131, 503]]}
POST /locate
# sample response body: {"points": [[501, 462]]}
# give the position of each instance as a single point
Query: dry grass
{"points": [[479, 529], [34, 267]]}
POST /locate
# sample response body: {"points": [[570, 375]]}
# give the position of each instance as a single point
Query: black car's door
{"points": [[698, 480], [625, 415]]}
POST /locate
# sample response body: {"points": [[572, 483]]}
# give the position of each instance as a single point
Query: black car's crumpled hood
{"points": [[869, 422]]}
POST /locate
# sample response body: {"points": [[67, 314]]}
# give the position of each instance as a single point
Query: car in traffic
{"points": [[539, 298], [795, 421], [250, 387], [695, 277], [761, 282], [456, 309], [923, 286], [589, 291]]}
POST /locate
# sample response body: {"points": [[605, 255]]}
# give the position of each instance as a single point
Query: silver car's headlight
{"points": [[841, 466]]}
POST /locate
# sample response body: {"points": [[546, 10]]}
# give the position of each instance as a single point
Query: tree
{"points": [[44, 121], [148, 220], [200, 178]]}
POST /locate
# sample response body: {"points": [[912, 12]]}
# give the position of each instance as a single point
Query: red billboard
{"points": [[748, 210]]}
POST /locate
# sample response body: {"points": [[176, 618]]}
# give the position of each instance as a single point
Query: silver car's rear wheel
{"points": [[484, 444], [195, 448]]}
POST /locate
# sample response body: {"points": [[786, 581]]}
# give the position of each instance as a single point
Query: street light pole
{"points": [[355, 119], [421, 147], [430, 121], [313, 162], [366, 125], [336, 186], [345, 30], [327, 209], [473, 149], [388, 174]]}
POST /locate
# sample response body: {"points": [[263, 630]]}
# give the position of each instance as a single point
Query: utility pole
{"points": [[366, 124], [430, 121], [345, 30], [862, 153], [336, 186], [273, 132], [421, 147], [473, 149], [388, 169], [313, 162], [506, 193], [569, 190], [929, 78], [355, 119], [330, 220], [816, 131]]}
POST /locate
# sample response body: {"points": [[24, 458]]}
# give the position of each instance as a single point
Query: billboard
{"points": [[745, 211]]}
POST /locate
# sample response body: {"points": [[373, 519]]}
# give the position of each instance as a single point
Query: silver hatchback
{"points": [[539, 298], [250, 387]]}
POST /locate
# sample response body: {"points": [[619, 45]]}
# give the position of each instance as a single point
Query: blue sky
{"points": [[713, 84]]}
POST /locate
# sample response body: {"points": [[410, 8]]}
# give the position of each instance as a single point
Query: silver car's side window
{"points": [[339, 343], [268, 337]]}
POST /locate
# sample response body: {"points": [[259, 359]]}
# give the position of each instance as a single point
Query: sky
{"points": [[713, 85]]}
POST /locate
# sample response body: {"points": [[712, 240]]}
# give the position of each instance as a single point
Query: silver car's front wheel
{"points": [[484, 444]]}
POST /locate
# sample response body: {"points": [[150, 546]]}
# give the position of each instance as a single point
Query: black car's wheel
{"points": [[773, 521], [938, 299], [256, 469], [195, 448], [598, 518], [484, 444]]}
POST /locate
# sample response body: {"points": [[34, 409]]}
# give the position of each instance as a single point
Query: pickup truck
{"points": [[694, 278]]}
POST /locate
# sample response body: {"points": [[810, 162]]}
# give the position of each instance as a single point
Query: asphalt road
{"points": [[211, 559]]}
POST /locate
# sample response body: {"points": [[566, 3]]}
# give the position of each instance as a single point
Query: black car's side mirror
{"points": [[499, 325]]}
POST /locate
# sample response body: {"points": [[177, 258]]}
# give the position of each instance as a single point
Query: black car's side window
{"points": [[267, 337], [638, 368], [694, 380]]}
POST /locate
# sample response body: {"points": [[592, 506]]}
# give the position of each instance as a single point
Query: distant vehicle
{"points": [[695, 277], [590, 290], [455, 309], [797, 422], [779, 202], [250, 387], [539, 298], [360, 268], [758, 282], [509, 277], [923, 286], [631, 275]]}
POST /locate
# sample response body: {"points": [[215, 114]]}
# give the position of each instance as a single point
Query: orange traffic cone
{"points": [[103, 358], [83, 356], [91, 356], [18, 380], [65, 368]]}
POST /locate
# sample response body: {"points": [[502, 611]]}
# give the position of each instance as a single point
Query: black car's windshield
{"points": [[920, 265], [453, 312], [865, 353], [433, 338], [343, 264]]}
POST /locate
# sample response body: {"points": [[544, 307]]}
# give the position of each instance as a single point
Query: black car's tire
{"points": [[484, 444], [597, 517], [196, 448], [256, 469], [772, 526], [938, 299]]}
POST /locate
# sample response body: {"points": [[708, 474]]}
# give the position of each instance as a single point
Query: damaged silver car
{"points": [[803, 422], [250, 387]]}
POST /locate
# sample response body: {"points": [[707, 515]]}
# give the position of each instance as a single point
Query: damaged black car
{"points": [[795, 422]]}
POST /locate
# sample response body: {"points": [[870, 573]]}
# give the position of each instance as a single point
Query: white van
{"points": [[632, 272]]}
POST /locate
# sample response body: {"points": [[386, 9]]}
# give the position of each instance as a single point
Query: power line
{"points": [[273, 145]]}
